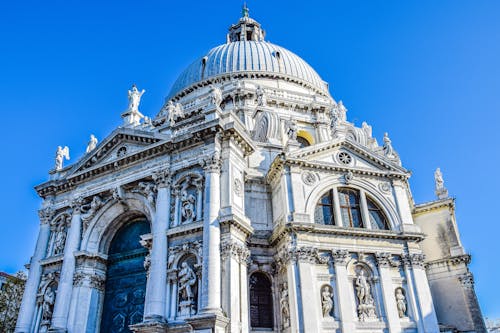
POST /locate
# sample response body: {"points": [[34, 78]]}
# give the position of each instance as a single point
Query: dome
{"points": [[246, 53]]}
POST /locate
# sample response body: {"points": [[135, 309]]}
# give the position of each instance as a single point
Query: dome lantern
{"points": [[247, 29]]}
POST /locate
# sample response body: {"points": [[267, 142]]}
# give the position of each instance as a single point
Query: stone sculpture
{"points": [[261, 96], [326, 300], [188, 207], [59, 241], [61, 154], [388, 150], [215, 96], [92, 144], [401, 303], [367, 129], [187, 282], [284, 305], [48, 304], [134, 98], [291, 130], [366, 306]]}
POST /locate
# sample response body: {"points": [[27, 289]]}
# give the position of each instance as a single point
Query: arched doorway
{"points": [[261, 301], [125, 279]]}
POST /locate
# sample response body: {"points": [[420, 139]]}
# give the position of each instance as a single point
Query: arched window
{"points": [[324, 210], [261, 301], [355, 212], [377, 217], [303, 142], [349, 208]]}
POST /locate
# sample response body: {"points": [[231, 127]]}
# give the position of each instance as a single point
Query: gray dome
{"points": [[252, 57]]}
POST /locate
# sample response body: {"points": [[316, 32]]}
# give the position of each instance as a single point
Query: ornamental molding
{"points": [[341, 257], [434, 205], [189, 247], [452, 261], [76, 205], [148, 190], [46, 214], [309, 178], [233, 249], [416, 260], [162, 178], [386, 260], [212, 163], [467, 280], [237, 186], [295, 254], [311, 228]]}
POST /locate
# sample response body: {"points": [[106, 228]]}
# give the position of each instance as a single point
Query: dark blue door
{"points": [[125, 279]]}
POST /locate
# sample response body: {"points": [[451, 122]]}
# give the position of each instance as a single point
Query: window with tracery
{"points": [[324, 209], [377, 217], [349, 208]]}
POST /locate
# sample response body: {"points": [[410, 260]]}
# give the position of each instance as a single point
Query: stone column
{"points": [[28, 303], [310, 300], [244, 301], [412, 295], [211, 275], [155, 302], [384, 267], [88, 293], [336, 208], [65, 288], [427, 314], [344, 299], [364, 210], [231, 280], [177, 205]]}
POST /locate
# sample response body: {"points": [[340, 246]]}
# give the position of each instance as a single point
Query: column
{"points": [[336, 208], [177, 206], [244, 301], [211, 275], [65, 288], [384, 267], [199, 200], [344, 299], [231, 280], [28, 303], [364, 210], [310, 301], [423, 292], [155, 303], [412, 295]]}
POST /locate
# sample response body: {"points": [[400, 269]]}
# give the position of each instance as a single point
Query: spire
{"points": [[247, 29]]}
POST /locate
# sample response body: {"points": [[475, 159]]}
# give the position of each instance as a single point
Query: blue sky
{"points": [[427, 72]]}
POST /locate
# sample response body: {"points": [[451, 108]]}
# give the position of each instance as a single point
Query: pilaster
{"points": [[345, 301], [384, 262]]}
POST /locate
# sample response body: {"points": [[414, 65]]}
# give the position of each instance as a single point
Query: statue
{"points": [[291, 130], [188, 207], [215, 96], [59, 241], [285, 308], [388, 150], [187, 279], [401, 302], [92, 144], [362, 288], [61, 154], [134, 98], [326, 301], [48, 304], [441, 191], [341, 111], [261, 96]]}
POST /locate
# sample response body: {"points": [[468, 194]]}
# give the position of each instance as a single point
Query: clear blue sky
{"points": [[427, 72]]}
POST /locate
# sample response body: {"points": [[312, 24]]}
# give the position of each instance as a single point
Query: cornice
{"points": [[434, 205], [312, 228], [453, 261]]}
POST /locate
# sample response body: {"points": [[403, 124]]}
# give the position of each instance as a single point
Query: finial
{"points": [[245, 11]]}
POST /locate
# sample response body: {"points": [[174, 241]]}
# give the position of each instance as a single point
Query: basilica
{"points": [[249, 203]]}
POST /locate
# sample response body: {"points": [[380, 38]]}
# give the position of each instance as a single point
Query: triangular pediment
{"points": [[117, 145], [346, 155]]}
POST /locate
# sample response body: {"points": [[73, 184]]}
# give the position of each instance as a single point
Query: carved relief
{"points": [[83, 279], [234, 249], [285, 306], [294, 254], [364, 297], [237, 186], [187, 281], [309, 178]]}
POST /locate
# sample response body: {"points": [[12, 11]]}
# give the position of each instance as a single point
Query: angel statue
{"points": [[60, 155], [92, 144], [134, 98]]}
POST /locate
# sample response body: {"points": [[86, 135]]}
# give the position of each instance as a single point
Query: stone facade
{"points": [[266, 209]]}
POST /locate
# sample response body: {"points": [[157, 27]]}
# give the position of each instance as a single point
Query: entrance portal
{"points": [[125, 279]]}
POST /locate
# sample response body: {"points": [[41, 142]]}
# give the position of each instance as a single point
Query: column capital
{"points": [[231, 248], [46, 214], [212, 163], [162, 178], [467, 280], [340, 257], [299, 254], [94, 281], [415, 260], [384, 259], [76, 205]]}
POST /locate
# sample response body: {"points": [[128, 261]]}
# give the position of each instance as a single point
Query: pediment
{"points": [[117, 145], [346, 155]]}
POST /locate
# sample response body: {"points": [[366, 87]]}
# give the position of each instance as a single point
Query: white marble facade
{"points": [[267, 209]]}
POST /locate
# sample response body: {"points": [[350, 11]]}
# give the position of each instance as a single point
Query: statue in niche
{"points": [[134, 98], [366, 304], [326, 300], [215, 96], [49, 298], [92, 144], [61, 154], [291, 130], [59, 240], [388, 150], [188, 207], [284, 306], [187, 282], [401, 302], [261, 96]]}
